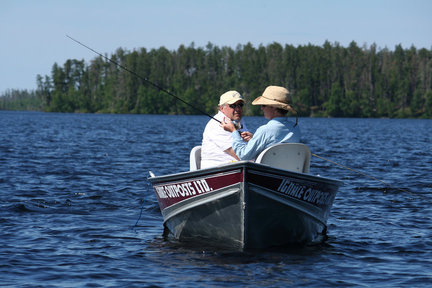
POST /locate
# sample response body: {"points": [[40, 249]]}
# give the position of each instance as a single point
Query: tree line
{"points": [[325, 81], [14, 99]]}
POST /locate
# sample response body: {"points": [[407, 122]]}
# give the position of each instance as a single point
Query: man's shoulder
{"points": [[211, 124]]}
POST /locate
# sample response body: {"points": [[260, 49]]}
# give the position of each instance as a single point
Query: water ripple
{"points": [[72, 187]]}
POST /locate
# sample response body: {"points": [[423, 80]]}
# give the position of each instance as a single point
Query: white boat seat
{"points": [[289, 156], [195, 158]]}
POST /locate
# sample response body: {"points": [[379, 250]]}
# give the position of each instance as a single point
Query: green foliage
{"points": [[325, 81], [428, 105], [21, 100]]}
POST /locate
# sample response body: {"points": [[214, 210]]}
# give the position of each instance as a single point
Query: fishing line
{"points": [[142, 207], [361, 173], [142, 78]]}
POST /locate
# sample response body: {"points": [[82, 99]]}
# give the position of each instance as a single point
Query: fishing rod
{"points": [[361, 173], [202, 112], [142, 78]]}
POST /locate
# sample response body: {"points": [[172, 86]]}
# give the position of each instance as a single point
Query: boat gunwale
{"points": [[241, 164]]}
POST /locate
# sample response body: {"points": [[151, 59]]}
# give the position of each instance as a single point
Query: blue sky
{"points": [[33, 33]]}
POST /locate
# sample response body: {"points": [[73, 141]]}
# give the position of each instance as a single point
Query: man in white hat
{"points": [[216, 148], [275, 105]]}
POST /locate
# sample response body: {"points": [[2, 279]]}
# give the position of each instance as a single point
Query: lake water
{"points": [[72, 187]]}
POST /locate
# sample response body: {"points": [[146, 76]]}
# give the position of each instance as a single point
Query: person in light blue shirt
{"points": [[275, 105]]}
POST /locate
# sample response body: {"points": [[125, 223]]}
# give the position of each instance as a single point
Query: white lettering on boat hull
{"points": [[305, 193]]}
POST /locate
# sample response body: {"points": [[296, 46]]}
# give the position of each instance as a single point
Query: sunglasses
{"points": [[233, 106]]}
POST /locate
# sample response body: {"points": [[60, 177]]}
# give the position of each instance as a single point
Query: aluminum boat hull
{"points": [[246, 205]]}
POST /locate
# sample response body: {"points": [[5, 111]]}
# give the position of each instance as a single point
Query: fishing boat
{"points": [[273, 201]]}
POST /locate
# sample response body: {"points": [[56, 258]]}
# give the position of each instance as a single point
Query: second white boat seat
{"points": [[289, 156], [195, 158]]}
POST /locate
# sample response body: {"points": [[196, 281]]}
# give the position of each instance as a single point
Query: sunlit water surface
{"points": [[72, 187]]}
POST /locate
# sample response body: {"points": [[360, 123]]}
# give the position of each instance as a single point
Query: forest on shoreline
{"points": [[325, 81]]}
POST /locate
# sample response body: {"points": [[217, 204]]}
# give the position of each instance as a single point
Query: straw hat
{"points": [[230, 97], [275, 96]]}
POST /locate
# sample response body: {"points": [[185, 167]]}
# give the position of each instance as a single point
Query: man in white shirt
{"points": [[216, 148]]}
